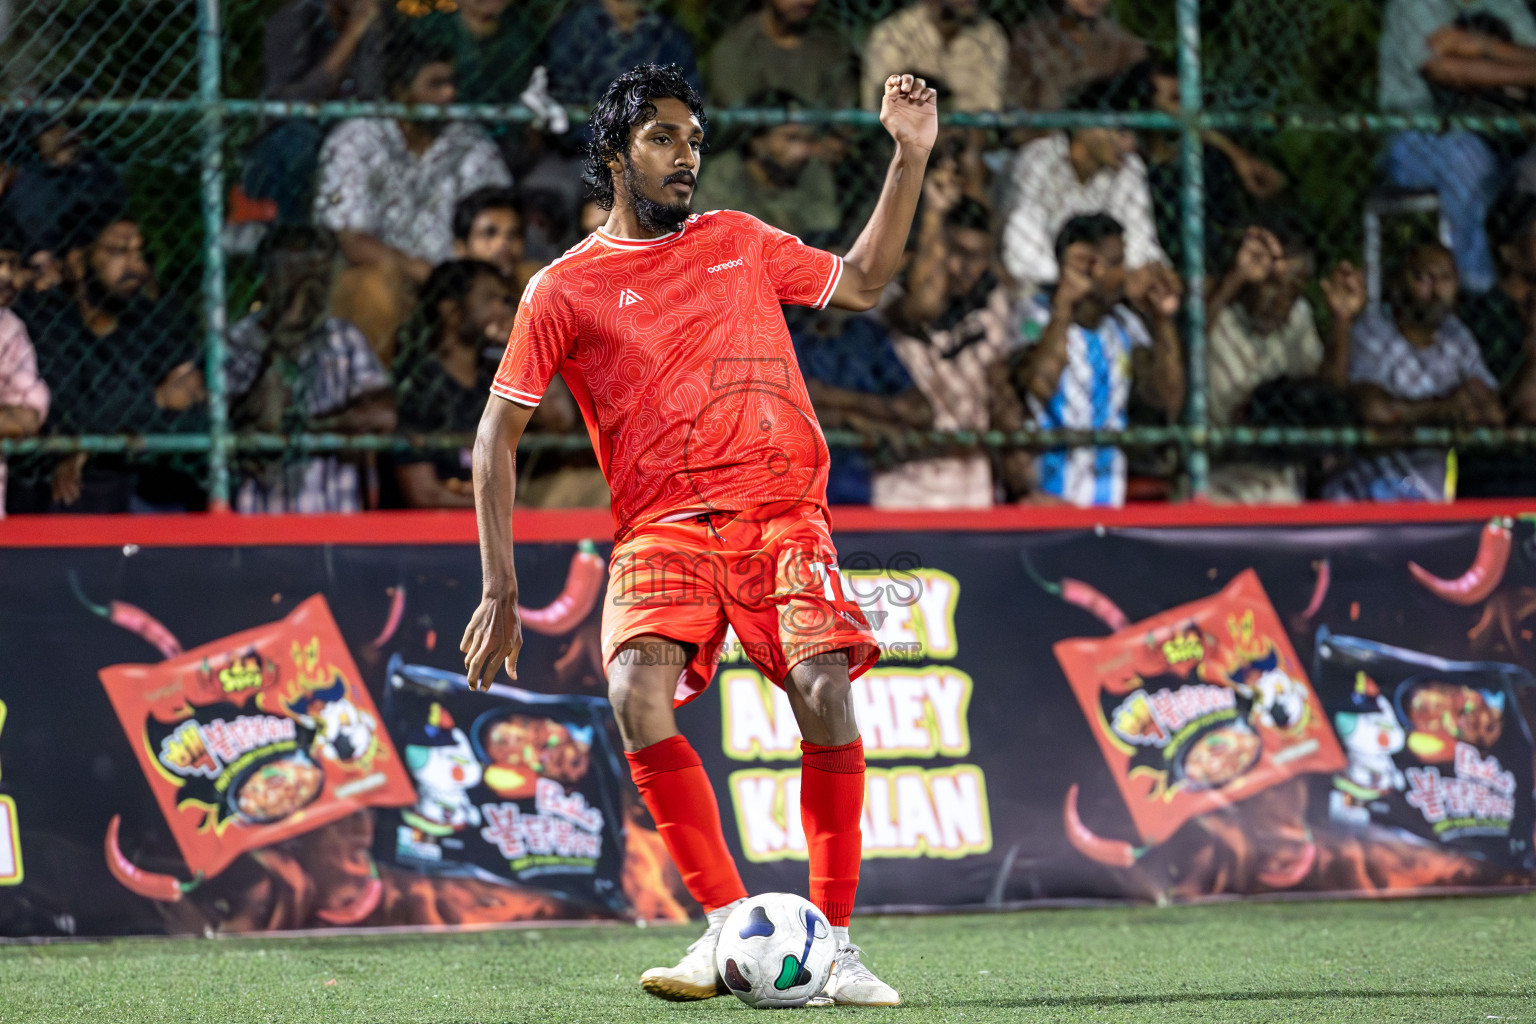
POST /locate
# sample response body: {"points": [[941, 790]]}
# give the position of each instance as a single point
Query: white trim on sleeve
{"points": [[826, 293], [515, 395]]}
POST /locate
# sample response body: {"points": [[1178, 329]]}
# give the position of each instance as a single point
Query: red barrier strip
{"points": [[568, 526]]}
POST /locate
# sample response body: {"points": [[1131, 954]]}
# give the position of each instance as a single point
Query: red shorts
{"points": [[769, 573]]}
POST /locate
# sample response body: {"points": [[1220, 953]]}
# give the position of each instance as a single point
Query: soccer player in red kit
{"points": [[666, 325]]}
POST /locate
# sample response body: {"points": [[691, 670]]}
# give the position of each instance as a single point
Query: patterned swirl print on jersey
{"points": [[676, 351]]}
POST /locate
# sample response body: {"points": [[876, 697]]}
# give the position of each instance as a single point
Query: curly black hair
{"points": [[630, 101]]}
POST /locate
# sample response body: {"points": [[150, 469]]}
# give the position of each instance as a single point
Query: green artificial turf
{"points": [[1470, 959]]}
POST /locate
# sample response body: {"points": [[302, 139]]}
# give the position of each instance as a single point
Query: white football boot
{"points": [[853, 984], [695, 976]]}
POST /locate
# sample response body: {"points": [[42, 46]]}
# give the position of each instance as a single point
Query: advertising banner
{"points": [[277, 736]]}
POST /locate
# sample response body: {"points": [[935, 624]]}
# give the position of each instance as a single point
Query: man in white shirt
{"points": [[1065, 175], [387, 189]]}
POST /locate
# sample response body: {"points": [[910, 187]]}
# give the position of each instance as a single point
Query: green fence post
{"points": [[209, 74], [1191, 99]]}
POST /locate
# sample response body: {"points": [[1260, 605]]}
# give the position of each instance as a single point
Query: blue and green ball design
{"points": [[793, 969]]}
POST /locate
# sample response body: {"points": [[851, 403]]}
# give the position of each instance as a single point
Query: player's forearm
{"points": [[495, 470], [927, 281], [872, 262]]}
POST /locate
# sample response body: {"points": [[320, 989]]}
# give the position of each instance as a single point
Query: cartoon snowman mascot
{"points": [[445, 769], [1371, 734]]}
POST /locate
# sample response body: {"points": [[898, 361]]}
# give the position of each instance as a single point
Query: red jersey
{"points": [[676, 350]]}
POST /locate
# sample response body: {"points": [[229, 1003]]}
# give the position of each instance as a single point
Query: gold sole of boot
{"points": [[676, 992]]}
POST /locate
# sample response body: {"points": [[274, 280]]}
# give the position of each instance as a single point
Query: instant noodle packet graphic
{"points": [[1200, 706], [258, 737], [514, 788], [1437, 748]]}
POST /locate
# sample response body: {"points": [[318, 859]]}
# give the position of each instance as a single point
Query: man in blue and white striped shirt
{"points": [[1087, 347]]}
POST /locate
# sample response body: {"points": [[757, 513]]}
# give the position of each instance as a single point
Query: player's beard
{"points": [[661, 218]]}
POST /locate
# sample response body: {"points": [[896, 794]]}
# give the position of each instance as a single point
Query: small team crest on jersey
{"points": [[628, 297]]}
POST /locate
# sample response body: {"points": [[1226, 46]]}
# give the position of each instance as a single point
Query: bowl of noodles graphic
{"points": [[1441, 712], [275, 789], [1219, 756], [519, 749]]}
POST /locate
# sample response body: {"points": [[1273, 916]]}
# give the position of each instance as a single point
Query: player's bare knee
{"points": [[633, 696], [642, 720], [828, 690], [823, 689], [640, 688]]}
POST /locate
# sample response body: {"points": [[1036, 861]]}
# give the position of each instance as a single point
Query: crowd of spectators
{"points": [[1042, 288]]}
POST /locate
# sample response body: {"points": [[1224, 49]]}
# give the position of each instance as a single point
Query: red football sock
{"points": [[674, 787], [831, 805]]}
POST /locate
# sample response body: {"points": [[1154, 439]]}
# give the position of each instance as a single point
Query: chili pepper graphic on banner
{"points": [[1482, 577]]}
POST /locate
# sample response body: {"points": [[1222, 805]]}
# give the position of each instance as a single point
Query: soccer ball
{"points": [[775, 950]]}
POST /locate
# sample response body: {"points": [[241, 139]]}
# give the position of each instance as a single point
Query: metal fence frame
{"points": [[1195, 437]]}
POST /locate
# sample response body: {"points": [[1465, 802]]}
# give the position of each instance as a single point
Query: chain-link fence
{"points": [[167, 163]]}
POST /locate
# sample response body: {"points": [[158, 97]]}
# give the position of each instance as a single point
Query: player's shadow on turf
{"points": [[1154, 998]]}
